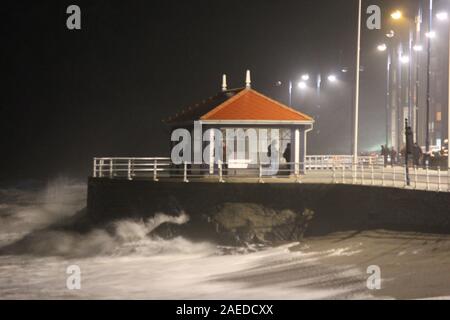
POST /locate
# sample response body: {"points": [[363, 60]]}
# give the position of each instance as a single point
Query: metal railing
{"points": [[369, 171], [327, 162], [130, 168]]}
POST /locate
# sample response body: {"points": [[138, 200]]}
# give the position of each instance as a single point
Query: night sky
{"points": [[68, 96]]}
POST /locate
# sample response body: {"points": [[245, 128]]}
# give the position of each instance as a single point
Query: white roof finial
{"points": [[224, 83], [248, 80]]}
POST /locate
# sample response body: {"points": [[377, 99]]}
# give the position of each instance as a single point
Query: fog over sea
{"points": [[124, 261]]}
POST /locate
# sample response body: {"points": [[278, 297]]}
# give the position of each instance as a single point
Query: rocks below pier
{"points": [[242, 223]]}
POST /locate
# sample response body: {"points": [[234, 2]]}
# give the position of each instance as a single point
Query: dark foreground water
{"points": [[125, 261]]}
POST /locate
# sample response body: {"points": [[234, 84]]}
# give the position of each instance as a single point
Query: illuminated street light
{"points": [[397, 15], [404, 59], [332, 78], [431, 34], [418, 48], [442, 16], [302, 85], [305, 77], [382, 47]]}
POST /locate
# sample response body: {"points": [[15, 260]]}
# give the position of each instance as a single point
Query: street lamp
{"points": [[396, 15], [302, 85], [332, 78], [383, 48], [404, 59], [357, 80], [442, 16], [431, 34], [414, 46], [418, 48]]}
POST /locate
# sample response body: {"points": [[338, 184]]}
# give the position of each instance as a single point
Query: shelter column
{"points": [[303, 146], [212, 142], [296, 156]]}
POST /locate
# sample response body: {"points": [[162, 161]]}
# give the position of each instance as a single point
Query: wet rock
{"points": [[242, 224], [252, 223]]}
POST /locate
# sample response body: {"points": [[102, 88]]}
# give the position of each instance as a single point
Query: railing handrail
{"points": [[329, 169], [132, 158]]}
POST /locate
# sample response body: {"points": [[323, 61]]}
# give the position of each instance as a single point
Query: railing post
{"points": [[95, 168], [297, 172], [297, 168], [448, 178], [382, 175], [343, 173], [155, 170], [260, 174], [334, 174], [220, 172], [354, 172], [405, 180], [362, 174], [129, 169], [415, 177], [372, 174], [439, 179], [394, 178], [101, 168], [111, 164], [185, 175], [428, 177]]}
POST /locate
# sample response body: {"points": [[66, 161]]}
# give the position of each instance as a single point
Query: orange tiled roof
{"points": [[239, 105], [250, 105]]}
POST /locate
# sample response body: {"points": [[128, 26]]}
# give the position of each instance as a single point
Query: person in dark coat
{"points": [[393, 157], [417, 154], [287, 153], [385, 154]]}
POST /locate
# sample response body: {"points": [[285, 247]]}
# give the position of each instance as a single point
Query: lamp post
{"points": [[430, 36], [357, 79], [383, 48], [444, 16], [418, 48], [413, 92]]}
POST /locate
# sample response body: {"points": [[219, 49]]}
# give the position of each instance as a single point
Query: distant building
{"points": [[246, 108]]}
